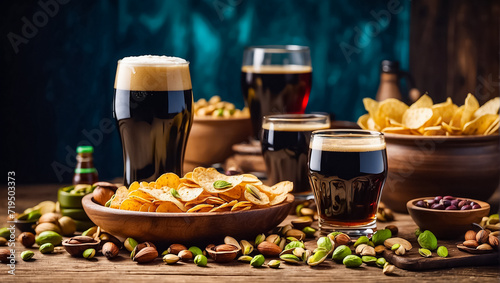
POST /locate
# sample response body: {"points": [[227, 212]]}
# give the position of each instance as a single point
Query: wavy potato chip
{"points": [[207, 177], [167, 206], [363, 121], [470, 106], [397, 130], [479, 125], [170, 180], [493, 127], [490, 107], [188, 193], [120, 195], [131, 204], [423, 102], [390, 108], [201, 208], [417, 117], [255, 196], [134, 186]]}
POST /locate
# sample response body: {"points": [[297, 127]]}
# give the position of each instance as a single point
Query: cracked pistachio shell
{"points": [[369, 260], [425, 252], [290, 258], [89, 253], [259, 239], [170, 259], [381, 262], [324, 243], [245, 258], [274, 263], [318, 257], [130, 244], [246, 247], [361, 240], [294, 244]]}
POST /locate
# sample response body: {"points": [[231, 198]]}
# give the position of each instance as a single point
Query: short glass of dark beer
{"points": [[347, 171], [153, 105], [275, 79], [285, 145]]}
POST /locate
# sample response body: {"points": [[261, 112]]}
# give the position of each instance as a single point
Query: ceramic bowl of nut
{"points": [[201, 227], [420, 166], [447, 223], [210, 140]]}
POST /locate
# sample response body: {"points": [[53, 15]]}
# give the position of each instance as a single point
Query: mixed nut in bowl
{"points": [[444, 218]]}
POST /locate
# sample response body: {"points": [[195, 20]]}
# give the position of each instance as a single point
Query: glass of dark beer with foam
{"points": [[285, 145], [153, 107], [275, 79], [347, 171]]}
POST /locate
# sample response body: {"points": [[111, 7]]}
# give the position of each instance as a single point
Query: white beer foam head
{"points": [[153, 73], [348, 143]]}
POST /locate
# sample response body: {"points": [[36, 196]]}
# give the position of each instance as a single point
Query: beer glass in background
{"points": [[347, 170], [153, 108], [285, 145], [275, 79]]}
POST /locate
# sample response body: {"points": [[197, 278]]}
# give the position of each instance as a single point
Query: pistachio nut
{"points": [[309, 231], [273, 238], [3, 241], [361, 240], [306, 255], [325, 243], [395, 247], [380, 236], [388, 268], [424, 252], [257, 261], [46, 226], [298, 252], [200, 260], [352, 261], [274, 263], [442, 251], [427, 240], [245, 258], [400, 250], [371, 244], [171, 259], [89, 253], [282, 243], [394, 229], [221, 184], [231, 241], [360, 248], [294, 244], [342, 239], [471, 243], [369, 260], [318, 257], [50, 217], [296, 234], [367, 250], [90, 232], [289, 258], [5, 233], [130, 244], [396, 240], [291, 239], [259, 239], [298, 208], [418, 232], [48, 237], [68, 226], [306, 211], [246, 247], [108, 203], [332, 235], [340, 253], [285, 229], [302, 222], [27, 255], [253, 191], [380, 262], [195, 251], [46, 248]]}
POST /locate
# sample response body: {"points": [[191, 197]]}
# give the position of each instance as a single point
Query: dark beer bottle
{"points": [[85, 172]]}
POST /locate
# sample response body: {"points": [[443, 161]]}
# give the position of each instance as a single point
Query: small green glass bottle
{"points": [[85, 172]]}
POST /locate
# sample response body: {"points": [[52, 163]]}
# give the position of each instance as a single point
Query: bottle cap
{"points": [[85, 149], [388, 66]]}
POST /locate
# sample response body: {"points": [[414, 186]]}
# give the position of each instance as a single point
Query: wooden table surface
{"points": [[61, 267]]}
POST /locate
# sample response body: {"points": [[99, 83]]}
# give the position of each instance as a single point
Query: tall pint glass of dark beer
{"points": [[347, 171], [153, 108], [275, 79]]}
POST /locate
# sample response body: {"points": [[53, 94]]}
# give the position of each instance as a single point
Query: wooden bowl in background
{"points": [[186, 228], [211, 139], [419, 166], [446, 224]]}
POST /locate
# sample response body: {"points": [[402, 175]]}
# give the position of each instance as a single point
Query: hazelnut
{"points": [[342, 239], [102, 194], [27, 239], [493, 241], [470, 235], [185, 255], [4, 254], [110, 250], [176, 248], [147, 254]]}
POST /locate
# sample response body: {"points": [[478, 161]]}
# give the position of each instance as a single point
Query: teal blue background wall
{"points": [[57, 82]]}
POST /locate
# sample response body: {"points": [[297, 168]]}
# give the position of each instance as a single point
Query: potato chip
{"points": [[201, 208], [131, 204], [188, 194], [390, 108], [372, 125], [278, 199], [480, 125], [423, 102], [141, 200], [167, 206], [490, 107], [241, 206], [417, 117], [493, 127], [445, 110], [214, 200], [470, 106], [144, 184], [224, 207], [434, 131], [152, 207], [152, 185], [207, 177], [363, 121], [134, 186], [141, 192], [170, 180], [120, 195], [371, 106], [145, 207], [235, 193], [250, 178], [450, 129]]}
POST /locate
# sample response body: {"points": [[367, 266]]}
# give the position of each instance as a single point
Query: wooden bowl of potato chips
{"points": [[437, 149], [203, 206]]}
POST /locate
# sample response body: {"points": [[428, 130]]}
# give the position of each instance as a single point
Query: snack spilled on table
{"points": [[216, 108], [203, 190], [428, 119]]}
